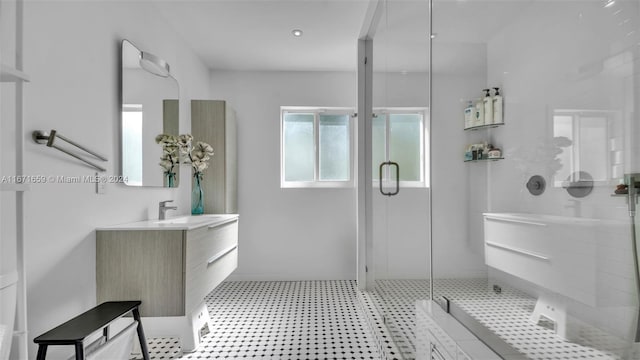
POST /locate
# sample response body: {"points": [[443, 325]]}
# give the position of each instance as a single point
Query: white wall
{"points": [[72, 55], [286, 234]]}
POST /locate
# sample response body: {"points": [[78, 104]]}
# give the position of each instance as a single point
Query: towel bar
{"points": [[42, 137]]}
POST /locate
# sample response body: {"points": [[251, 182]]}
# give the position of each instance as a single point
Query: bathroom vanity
{"points": [[171, 265], [560, 254]]}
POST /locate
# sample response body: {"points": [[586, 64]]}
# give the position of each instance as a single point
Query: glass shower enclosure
{"points": [[524, 220], [398, 179]]}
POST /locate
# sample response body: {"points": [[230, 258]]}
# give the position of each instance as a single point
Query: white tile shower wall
{"points": [[458, 187], [72, 55], [548, 69]]}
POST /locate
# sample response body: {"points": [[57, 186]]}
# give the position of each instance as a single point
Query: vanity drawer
{"points": [[203, 278], [204, 245], [211, 255]]}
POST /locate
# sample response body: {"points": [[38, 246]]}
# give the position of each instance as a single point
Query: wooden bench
{"points": [[76, 330]]}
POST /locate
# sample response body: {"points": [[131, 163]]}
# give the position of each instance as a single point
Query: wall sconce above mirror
{"points": [[150, 107]]}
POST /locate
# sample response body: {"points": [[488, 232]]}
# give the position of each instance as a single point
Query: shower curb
{"points": [[381, 335]]}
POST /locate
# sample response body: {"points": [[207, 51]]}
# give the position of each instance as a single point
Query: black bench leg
{"points": [[143, 340], [42, 352], [79, 351]]}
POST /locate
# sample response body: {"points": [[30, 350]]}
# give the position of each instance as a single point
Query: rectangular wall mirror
{"points": [[150, 107]]}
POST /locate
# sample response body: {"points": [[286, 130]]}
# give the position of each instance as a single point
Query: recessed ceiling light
{"points": [[296, 32]]}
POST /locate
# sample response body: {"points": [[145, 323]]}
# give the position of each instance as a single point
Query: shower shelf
{"points": [[481, 127], [492, 159]]}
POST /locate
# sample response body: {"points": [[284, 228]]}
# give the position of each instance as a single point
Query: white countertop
{"points": [[176, 223]]}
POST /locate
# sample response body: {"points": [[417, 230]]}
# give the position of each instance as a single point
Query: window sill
{"points": [[316, 185]]}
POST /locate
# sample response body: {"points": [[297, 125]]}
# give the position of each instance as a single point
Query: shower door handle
{"points": [[390, 163]]}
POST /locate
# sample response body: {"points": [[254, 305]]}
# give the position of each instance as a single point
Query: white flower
{"points": [[166, 164], [184, 141], [199, 155], [170, 147]]}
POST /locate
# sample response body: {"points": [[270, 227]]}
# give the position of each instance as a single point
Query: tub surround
{"points": [[171, 265]]}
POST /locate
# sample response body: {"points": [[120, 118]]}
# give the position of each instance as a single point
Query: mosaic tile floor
{"points": [[506, 314], [280, 320], [326, 320]]}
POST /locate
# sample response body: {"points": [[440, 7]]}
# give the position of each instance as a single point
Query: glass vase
{"points": [[171, 179], [197, 196]]}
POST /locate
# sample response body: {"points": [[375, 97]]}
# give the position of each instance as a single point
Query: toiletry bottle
{"points": [[479, 113], [497, 107], [469, 114], [488, 106]]}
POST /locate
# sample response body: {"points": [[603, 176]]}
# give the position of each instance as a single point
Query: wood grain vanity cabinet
{"points": [[170, 269]]}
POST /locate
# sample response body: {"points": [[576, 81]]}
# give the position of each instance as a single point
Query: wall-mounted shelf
{"points": [[10, 74], [15, 187], [481, 127], [487, 159]]}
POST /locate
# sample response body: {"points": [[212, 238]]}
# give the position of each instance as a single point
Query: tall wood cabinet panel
{"points": [[214, 122]]}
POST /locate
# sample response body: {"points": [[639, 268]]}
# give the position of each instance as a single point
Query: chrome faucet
{"points": [[162, 209]]}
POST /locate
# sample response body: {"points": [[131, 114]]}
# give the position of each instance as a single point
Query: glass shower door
{"points": [[541, 253], [400, 164]]}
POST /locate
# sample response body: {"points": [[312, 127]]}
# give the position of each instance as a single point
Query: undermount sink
{"points": [[189, 219], [189, 222]]}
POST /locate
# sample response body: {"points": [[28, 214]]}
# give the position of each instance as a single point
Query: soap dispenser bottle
{"points": [[488, 106], [479, 113], [469, 115], [497, 107]]}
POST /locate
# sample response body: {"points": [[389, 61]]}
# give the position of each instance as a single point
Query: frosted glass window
{"points": [[398, 136], [379, 143], [299, 152], [405, 145], [316, 147], [334, 147], [588, 146], [593, 151], [563, 127]]}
